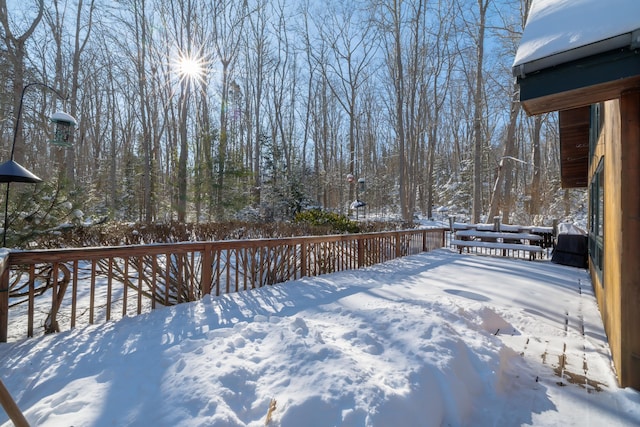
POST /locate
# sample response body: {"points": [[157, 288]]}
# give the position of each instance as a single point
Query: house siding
{"points": [[618, 292], [630, 222], [562, 77]]}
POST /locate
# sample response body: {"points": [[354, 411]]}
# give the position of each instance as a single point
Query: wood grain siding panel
{"points": [[574, 147], [608, 292], [629, 371]]}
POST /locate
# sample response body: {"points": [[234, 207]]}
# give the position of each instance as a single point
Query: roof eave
{"points": [[580, 82], [631, 39]]}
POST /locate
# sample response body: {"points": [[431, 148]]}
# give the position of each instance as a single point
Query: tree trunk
{"points": [[141, 58], [399, 112], [258, 28], [184, 151], [500, 199], [477, 115], [534, 206], [15, 53], [222, 143]]}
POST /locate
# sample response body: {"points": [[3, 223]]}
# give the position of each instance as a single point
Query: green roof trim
{"points": [[602, 68]]}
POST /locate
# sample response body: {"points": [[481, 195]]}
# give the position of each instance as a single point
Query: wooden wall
{"points": [[630, 269], [608, 290], [618, 293]]}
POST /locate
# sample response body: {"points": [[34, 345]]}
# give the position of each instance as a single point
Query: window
{"points": [[595, 128], [596, 220]]}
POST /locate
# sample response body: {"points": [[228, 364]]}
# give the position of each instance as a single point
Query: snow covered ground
{"points": [[437, 339]]}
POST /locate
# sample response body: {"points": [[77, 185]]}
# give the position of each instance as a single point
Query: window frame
{"points": [[596, 220], [596, 123]]}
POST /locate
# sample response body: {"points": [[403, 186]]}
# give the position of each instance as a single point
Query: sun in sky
{"points": [[191, 66]]}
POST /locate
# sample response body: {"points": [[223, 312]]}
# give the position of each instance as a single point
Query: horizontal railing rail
{"points": [[60, 289]]}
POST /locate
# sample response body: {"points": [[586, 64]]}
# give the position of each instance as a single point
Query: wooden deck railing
{"points": [[53, 290]]}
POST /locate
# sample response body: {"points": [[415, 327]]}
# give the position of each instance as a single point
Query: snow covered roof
{"points": [[559, 31]]}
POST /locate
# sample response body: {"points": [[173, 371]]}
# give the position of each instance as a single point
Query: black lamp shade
{"points": [[11, 171]]}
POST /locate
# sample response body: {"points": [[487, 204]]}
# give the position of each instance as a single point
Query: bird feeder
{"points": [[64, 125]]}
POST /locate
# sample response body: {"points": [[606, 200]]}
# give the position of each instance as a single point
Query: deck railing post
{"points": [[4, 296], [207, 270], [424, 240], [303, 258]]}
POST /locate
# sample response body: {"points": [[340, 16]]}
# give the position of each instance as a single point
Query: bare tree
{"points": [[352, 47], [257, 46], [281, 97], [182, 21], [391, 22], [503, 182], [501, 195], [82, 33], [536, 163], [229, 19], [483, 6], [68, 76], [141, 33], [387, 90], [311, 102], [15, 54], [415, 62], [441, 67]]}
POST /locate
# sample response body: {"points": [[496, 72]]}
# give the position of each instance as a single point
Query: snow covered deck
{"points": [[428, 340]]}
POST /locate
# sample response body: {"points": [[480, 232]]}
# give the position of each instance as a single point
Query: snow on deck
{"points": [[426, 340]]}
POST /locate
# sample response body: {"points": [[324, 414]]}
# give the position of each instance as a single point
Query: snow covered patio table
{"points": [[504, 243], [426, 340]]}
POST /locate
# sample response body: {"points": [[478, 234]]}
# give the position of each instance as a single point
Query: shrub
{"points": [[319, 218], [106, 233]]}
